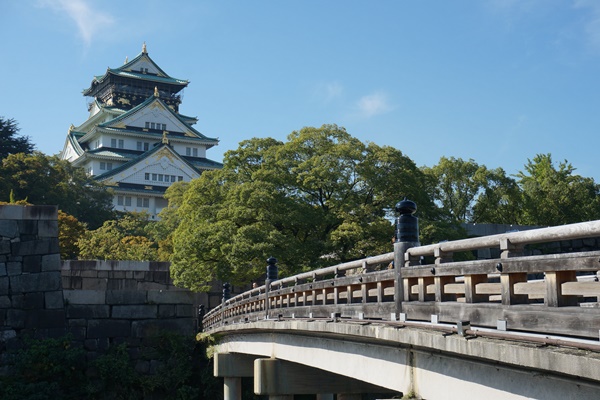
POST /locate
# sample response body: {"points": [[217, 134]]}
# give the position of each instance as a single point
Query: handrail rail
{"points": [[484, 291]]}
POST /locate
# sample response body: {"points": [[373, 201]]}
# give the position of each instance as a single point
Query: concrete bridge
{"points": [[416, 323]]}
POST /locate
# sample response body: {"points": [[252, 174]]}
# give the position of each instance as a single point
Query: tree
{"points": [[120, 239], [556, 196], [10, 143], [320, 198], [469, 192], [70, 230], [43, 179]]}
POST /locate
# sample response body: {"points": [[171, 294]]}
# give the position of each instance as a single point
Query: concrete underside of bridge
{"points": [[299, 357]]}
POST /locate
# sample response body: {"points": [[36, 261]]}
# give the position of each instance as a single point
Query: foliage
{"points": [[556, 196], [70, 230], [10, 143], [119, 239], [51, 369], [470, 192], [46, 369], [320, 198], [162, 230], [45, 179]]}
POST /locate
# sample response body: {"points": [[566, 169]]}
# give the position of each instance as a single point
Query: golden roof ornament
{"points": [[71, 127], [144, 48], [126, 60], [156, 94], [165, 140]]}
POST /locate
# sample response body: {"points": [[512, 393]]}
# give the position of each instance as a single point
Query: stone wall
{"points": [[99, 303], [31, 298]]}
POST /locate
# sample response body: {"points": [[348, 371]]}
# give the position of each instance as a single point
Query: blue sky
{"points": [[498, 81]]}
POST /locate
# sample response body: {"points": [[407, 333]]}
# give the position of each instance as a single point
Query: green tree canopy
{"points": [[10, 143], [556, 196], [42, 179], [469, 192], [320, 198], [124, 238]]}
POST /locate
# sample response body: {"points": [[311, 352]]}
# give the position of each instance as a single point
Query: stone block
{"points": [[14, 268], [32, 264], [125, 297], [85, 296], [150, 328], [88, 273], [9, 229], [142, 367], [10, 211], [78, 332], [40, 212], [185, 310], [15, 318], [37, 319], [33, 301], [167, 311], [5, 302], [17, 300], [28, 229], [107, 328], [170, 297], [40, 282], [76, 322], [103, 274], [121, 284], [94, 284], [4, 246], [2, 269], [54, 299], [139, 275], [151, 286], [48, 228], [33, 247], [143, 311], [92, 311], [119, 275], [51, 262], [4, 285]]}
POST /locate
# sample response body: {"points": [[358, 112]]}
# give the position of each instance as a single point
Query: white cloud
{"points": [[373, 104], [89, 21]]}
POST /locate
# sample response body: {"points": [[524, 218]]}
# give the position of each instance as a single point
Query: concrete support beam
{"points": [[277, 377], [233, 365], [232, 389]]}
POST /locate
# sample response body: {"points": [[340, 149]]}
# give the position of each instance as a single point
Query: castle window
{"points": [[152, 125], [195, 151], [127, 201], [121, 143], [160, 177], [179, 178], [146, 146], [102, 165], [164, 127], [147, 176], [154, 177], [188, 151], [173, 178], [147, 125], [113, 142], [139, 146], [109, 166], [120, 200]]}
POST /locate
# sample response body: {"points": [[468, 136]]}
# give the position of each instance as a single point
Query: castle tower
{"points": [[135, 140]]}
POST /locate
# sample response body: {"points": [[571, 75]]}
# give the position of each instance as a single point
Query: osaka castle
{"points": [[135, 140]]}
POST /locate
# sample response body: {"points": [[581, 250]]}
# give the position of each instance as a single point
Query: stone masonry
{"points": [[99, 303]]}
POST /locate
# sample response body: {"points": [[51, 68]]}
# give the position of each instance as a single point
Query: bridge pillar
{"points": [[233, 367], [232, 389]]}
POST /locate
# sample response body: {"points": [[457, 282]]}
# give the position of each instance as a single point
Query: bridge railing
{"points": [[551, 294]]}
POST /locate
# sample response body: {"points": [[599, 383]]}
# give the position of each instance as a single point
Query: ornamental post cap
{"points": [[144, 48], [71, 127], [406, 206]]}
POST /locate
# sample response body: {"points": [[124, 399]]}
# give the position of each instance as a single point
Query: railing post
{"points": [[407, 236], [272, 273]]}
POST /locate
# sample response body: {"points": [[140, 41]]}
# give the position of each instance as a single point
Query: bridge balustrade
{"points": [[549, 294]]}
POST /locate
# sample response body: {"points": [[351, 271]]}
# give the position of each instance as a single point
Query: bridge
{"points": [[416, 323]]}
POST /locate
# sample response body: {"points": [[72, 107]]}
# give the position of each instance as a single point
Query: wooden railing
{"points": [[550, 294]]}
